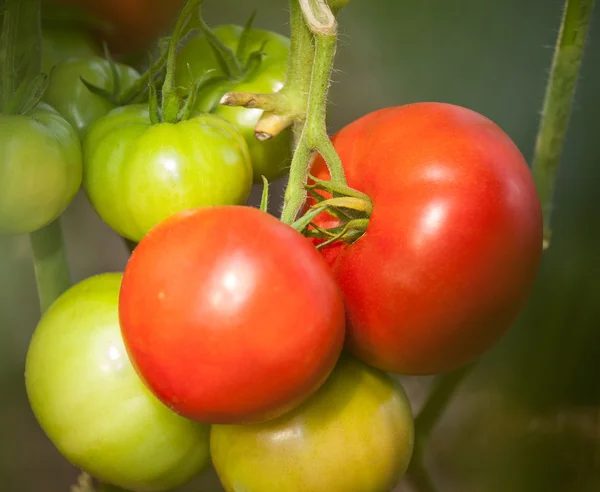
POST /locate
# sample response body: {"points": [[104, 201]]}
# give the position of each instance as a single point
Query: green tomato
{"points": [[70, 97], [90, 402], [40, 169], [354, 435], [270, 158], [61, 43], [136, 174]]}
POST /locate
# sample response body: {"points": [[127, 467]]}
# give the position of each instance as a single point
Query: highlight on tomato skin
{"points": [[229, 315], [356, 433], [453, 244], [94, 408]]}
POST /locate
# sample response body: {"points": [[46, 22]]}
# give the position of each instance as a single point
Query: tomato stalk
{"points": [[558, 101], [50, 263]]}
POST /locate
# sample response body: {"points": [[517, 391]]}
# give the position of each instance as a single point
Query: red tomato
{"points": [[453, 244], [229, 315]]}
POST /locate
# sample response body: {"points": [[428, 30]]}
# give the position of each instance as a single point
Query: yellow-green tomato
{"points": [[92, 405], [136, 174], [40, 169], [70, 97], [354, 435], [270, 158]]}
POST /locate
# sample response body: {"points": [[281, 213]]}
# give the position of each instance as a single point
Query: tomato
{"points": [[60, 44], [91, 404], [134, 24], [453, 244], [230, 315], [71, 98], [40, 169], [270, 158], [355, 434], [137, 174]]}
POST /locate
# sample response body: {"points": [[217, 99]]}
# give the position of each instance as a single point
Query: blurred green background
{"points": [[528, 419]]}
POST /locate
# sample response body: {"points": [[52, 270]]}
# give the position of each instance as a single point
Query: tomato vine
{"points": [[301, 104]]}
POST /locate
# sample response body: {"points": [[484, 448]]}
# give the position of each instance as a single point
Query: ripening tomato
{"points": [[453, 244], [70, 97], [92, 405], [355, 434], [229, 315], [271, 158], [40, 169], [137, 174]]}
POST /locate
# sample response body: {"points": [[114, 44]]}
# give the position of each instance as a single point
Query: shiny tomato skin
{"points": [[270, 159], [40, 169], [137, 174], [454, 241], [92, 405], [229, 315], [354, 435], [73, 100]]}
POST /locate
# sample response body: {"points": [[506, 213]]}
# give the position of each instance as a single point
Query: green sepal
{"points": [[154, 108], [99, 91], [225, 56], [255, 59], [242, 46], [201, 82]]}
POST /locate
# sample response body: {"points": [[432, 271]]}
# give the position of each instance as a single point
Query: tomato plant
{"points": [[229, 315], [89, 401], [259, 65], [68, 94], [143, 163], [60, 44], [40, 169], [453, 243], [355, 433], [137, 174]]}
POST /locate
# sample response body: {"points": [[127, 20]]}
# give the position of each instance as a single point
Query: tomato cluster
{"points": [[230, 337]]}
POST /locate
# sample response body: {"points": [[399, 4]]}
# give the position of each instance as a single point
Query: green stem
{"points": [[558, 101], [436, 403], [301, 57], [132, 92], [50, 263], [313, 136], [419, 476], [170, 98]]}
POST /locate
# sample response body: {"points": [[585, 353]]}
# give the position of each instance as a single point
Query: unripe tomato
{"points": [[354, 435], [63, 43], [91, 404], [40, 169], [271, 158], [454, 242], [137, 174], [229, 315], [71, 98]]}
